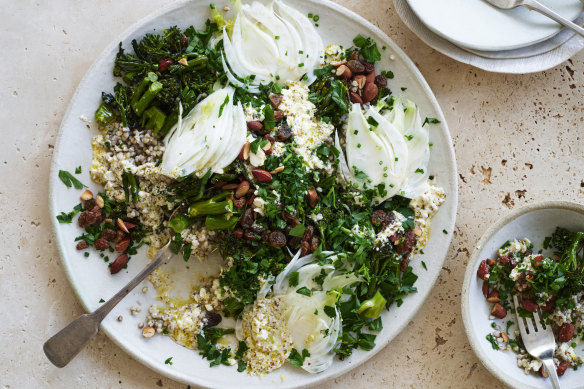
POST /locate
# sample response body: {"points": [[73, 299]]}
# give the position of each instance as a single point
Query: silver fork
{"points": [[539, 341], [537, 6], [62, 347]]}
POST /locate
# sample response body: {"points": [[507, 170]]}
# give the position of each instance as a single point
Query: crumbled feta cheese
{"points": [[253, 113], [333, 54], [425, 207], [395, 227], [308, 132], [265, 335]]}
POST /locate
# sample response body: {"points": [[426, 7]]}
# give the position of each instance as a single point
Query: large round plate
{"points": [[477, 25], [90, 277], [534, 222]]}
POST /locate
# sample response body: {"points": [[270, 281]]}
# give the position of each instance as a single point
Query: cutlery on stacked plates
{"points": [[537, 6]]}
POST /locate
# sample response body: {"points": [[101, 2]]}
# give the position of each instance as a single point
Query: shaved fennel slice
{"points": [[306, 321], [377, 150], [209, 137], [407, 120], [270, 44]]}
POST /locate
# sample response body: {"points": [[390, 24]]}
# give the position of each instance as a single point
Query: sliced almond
{"points": [[244, 153], [361, 80], [183, 61], [418, 231], [122, 225], [267, 148], [344, 72], [99, 201], [148, 332], [505, 337], [230, 186], [277, 170], [86, 195]]}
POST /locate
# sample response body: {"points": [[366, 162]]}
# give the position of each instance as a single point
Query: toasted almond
{"points": [[244, 153], [493, 296], [277, 170], [230, 186], [122, 245], [505, 337], [86, 195], [361, 80], [344, 72], [122, 225], [369, 92], [148, 332], [242, 189], [312, 197], [267, 148], [418, 231], [355, 98], [261, 175], [99, 201], [491, 262], [183, 61], [108, 220]]}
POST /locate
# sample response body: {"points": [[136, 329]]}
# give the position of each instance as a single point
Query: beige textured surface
{"points": [[518, 139]]}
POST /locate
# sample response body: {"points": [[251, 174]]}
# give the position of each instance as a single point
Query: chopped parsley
{"points": [[296, 358], [69, 180]]}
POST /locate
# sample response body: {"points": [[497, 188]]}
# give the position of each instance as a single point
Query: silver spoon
{"points": [[67, 343], [537, 6]]}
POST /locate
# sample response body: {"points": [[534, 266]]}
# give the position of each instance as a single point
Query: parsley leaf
{"points": [[69, 180], [68, 217], [269, 121], [367, 48], [223, 105], [298, 231], [78, 170], [296, 358], [168, 361], [293, 280], [304, 291], [430, 121]]}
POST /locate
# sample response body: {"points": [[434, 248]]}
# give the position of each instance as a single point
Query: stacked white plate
{"points": [[507, 41]]}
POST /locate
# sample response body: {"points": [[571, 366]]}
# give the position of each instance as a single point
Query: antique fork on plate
{"points": [[537, 6], [539, 341], [62, 347]]}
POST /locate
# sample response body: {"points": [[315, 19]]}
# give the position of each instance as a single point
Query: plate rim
{"points": [[470, 273], [319, 4], [479, 47]]}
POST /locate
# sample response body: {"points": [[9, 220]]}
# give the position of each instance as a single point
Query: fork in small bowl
{"points": [[539, 341]]}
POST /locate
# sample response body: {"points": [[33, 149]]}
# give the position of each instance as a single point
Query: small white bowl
{"points": [[534, 222]]}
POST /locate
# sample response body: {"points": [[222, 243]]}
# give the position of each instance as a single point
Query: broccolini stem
{"points": [[574, 263], [210, 207], [147, 98], [214, 223]]}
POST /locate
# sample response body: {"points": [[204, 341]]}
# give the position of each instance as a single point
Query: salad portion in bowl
{"points": [[289, 163], [551, 284]]}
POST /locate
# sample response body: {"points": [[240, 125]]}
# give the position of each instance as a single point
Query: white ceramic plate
{"points": [[477, 25], [534, 222], [90, 277]]}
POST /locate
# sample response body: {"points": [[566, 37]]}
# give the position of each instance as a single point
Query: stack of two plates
{"points": [[512, 41]]}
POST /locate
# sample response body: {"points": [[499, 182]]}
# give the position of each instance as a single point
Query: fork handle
{"points": [[62, 347], [537, 6], [551, 369]]}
